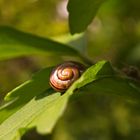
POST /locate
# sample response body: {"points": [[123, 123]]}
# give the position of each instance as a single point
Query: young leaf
{"points": [[14, 43], [32, 106], [44, 109], [81, 13], [24, 93]]}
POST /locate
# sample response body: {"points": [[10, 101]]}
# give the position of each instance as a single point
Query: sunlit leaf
{"points": [[43, 109]]}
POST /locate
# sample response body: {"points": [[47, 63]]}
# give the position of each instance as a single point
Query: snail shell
{"points": [[63, 75]]}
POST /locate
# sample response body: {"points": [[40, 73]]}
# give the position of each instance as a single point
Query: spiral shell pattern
{"points": [[63, 75]]}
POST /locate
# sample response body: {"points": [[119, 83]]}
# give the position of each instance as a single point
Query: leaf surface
{"points": [[44, 108], [14, 43], [81, 13]]}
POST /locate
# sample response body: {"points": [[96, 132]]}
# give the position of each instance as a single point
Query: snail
{"points": [[63, 75]]}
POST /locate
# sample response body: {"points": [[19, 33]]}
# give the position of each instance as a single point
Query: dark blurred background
{"points": [[113, 35]]}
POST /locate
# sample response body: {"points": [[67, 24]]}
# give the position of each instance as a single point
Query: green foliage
{"points": [[78, 17], [15, 43], [36, 105]]}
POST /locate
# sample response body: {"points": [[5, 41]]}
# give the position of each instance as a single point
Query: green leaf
{"points": [[14, 43], [81, 13], [101, 79], [45, 108], [24, 93], [121, 87], [34, 105]]}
